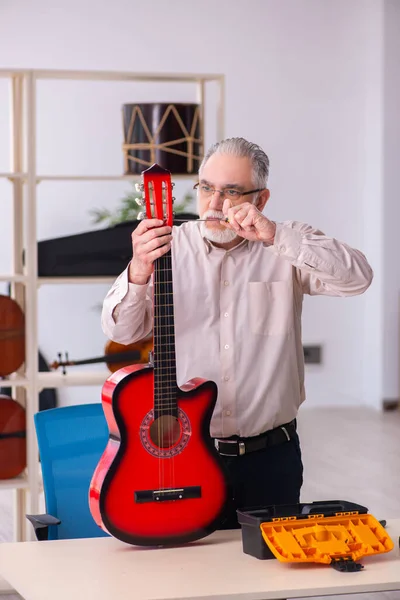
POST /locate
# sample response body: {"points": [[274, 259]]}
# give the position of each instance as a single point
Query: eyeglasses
{"points": [[207, 191]]}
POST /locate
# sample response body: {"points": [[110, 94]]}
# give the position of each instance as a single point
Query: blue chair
{"points": [[71, 440]]}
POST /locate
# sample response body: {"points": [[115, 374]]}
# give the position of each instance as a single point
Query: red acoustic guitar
{"points": [[160, 480]]}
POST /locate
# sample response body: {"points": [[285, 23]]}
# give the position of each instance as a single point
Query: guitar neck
{"points": [[165, 385], [129, 355]]}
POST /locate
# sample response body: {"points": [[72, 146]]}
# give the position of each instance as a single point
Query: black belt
{"points": [[236, 446]]}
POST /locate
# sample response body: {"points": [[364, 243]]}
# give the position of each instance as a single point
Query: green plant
{"points": [[129, 209]]}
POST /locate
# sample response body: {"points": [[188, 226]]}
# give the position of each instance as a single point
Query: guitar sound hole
{"points": [[165, 431]]}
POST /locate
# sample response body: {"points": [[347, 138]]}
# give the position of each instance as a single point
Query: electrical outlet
{"points": [[312, 354], [391, 404]]}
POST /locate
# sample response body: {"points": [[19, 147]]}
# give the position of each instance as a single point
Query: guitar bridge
{"points": [[185, 493]]}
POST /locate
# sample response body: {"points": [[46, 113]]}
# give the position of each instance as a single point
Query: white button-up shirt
{"points": [[238, 317]]}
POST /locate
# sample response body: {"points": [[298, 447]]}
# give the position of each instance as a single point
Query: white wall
{"points": [[299, 82], [391, 145], [371, 353]]}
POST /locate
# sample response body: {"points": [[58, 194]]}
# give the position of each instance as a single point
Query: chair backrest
{"points": [[71, 440]]}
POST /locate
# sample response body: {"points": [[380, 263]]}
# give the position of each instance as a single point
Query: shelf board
{"points": [[69, 177], [12, 175], [80, 280], [40, 178], [17, 278], [54, 379], [20, 482], [14, 380], [113, 75]]}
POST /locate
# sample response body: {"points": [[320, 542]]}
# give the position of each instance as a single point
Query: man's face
{"points": [[222, 172]]}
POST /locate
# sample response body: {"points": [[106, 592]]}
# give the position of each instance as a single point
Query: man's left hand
{"points": [[248, 222]]}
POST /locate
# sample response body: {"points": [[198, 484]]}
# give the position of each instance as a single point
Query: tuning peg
{"points": [[139, 201], [173, 199], [139, 187], [66, 360], [141, 215]]}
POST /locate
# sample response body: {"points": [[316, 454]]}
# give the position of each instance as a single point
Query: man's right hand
{"points": [[150, 240]]}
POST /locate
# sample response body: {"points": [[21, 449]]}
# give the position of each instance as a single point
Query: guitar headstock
{"points": [[157, 194], [60, 362]]}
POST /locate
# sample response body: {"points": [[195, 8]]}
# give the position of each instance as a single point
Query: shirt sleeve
{"points": [[127, 313], [324, 265]]}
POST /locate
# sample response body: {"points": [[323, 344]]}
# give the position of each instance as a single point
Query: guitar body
{"points": [[145, 494]]}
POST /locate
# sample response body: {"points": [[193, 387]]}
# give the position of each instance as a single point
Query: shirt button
{"points": [[226, 282], [228, 413], [225, 314], [283, 248], [226, 346], [226, 378]]}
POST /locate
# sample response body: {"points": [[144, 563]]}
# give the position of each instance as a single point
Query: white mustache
{"points": [[217, 214]]}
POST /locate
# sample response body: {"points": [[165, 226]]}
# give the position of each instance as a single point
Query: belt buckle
{"points": [[241, 446], [217, 441]]}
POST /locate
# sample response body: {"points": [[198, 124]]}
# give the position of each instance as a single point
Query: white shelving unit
{"points": [[23, 177]]}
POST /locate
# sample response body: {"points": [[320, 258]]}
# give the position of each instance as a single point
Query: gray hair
{"points": [[238, 146]]}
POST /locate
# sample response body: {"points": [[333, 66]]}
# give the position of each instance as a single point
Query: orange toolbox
{"points": [[336, 533]]}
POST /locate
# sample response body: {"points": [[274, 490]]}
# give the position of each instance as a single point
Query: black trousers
{"points": [[273, 475]]}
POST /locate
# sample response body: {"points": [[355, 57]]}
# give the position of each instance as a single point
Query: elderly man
{"points": [[239, 282]]}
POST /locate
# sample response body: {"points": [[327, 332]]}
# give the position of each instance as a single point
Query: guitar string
{"points": [[162, 416], [155, 358], [171, 345], [164, 310], [163, 313], [155, 375]]}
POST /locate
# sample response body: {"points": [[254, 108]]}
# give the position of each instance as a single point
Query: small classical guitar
{"points": [[160, 480]]}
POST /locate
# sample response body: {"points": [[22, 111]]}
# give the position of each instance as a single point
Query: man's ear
{"points": [[262, 199]]}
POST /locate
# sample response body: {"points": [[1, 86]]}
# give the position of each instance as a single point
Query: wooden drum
{"points": [[168, 134]]}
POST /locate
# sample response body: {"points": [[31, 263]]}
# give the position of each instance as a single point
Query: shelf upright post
{"points": [[220, 109], [18, 288], [201, 91], [32, 362]]}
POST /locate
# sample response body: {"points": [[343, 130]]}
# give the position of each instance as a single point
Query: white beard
{"points": [[220, 235]]}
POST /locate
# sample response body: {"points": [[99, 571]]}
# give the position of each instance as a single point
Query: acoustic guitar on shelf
{"points": [[12, 437], [12, 414], [160, 479], [12, 336]]}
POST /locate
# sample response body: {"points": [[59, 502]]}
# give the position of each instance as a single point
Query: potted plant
{"points": [[129, 209]]}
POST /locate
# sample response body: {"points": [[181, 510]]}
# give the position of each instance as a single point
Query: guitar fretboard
{"points": [[165, 386]]}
